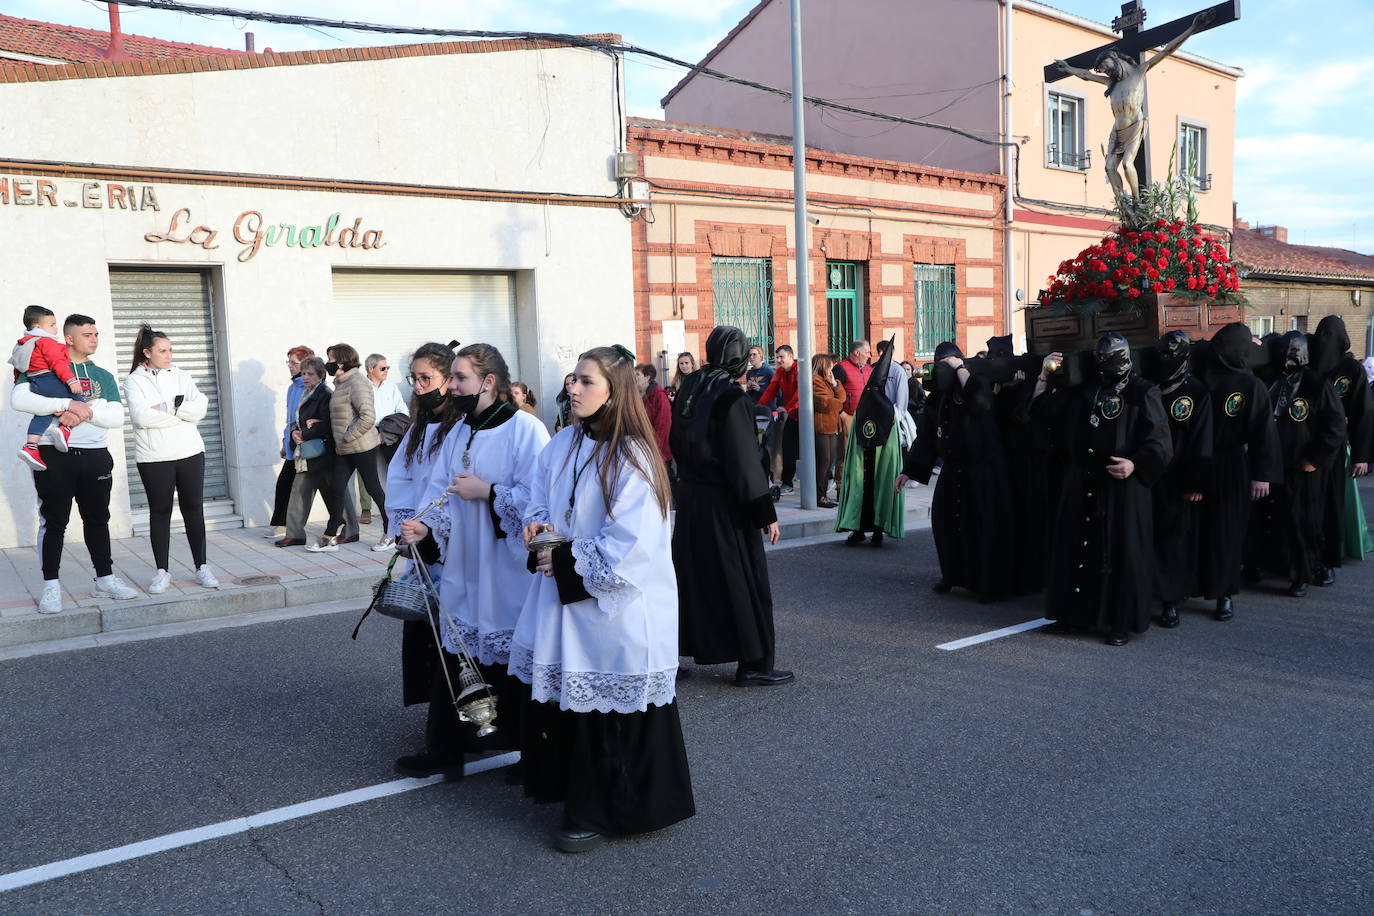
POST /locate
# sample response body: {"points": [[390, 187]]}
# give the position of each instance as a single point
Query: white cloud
{"points": [[1298, 98]]}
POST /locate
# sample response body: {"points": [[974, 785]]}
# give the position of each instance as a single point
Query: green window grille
{"points": [[935, 296], [843, 304], [742, 289]]}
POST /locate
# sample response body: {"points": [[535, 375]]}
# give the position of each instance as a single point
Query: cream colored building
{"points": [[380, 197]]}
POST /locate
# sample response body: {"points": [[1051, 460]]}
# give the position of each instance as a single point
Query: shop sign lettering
{"points": [[22, 191], [252, 231]]}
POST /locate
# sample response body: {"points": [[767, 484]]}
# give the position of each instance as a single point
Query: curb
{"points": [[114, 616]]}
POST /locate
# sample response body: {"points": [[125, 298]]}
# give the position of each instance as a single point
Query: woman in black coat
{"points": [[724, 598], [312, 425]]}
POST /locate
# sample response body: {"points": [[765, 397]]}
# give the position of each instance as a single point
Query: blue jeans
{"points": [[48, 385]]}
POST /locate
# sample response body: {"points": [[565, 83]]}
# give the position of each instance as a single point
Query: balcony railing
{"points": [[1069, 159]]}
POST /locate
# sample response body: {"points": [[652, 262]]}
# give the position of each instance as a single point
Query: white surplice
{"points": [[406, 483], [615, 651], [485, 577]]}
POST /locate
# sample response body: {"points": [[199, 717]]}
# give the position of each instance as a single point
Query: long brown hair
{"points": [[144, 341], [487, 360], [441, 358], [624, 423]]}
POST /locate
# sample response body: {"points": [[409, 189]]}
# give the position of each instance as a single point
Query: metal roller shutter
{"points": [[177, 303], [392, 312]]}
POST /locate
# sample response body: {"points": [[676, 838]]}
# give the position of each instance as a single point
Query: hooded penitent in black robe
{"points": [[1033, 485], [724, 598], [1332, 360], [1178, 522], [968, 513], [1245, 449], [1285, 530], [1102, 568]]}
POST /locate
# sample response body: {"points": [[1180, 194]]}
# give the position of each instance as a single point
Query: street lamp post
{"points": [[806, 331]]}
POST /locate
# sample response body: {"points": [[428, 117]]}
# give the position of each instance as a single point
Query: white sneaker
{"points": [[112, 586], [161, 582], [51, 602], [205, 578], [325, 545], [276, 534], [386, 543]]}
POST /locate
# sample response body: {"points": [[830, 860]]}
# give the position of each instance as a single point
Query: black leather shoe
{"points": [[1326, 576], [854, 538], [575, 839], [745, 678], [877, 539], [1117, 639], [941, 588], [1297, 590], [289, 542], [1168, 619], [1224, 609], [349, 539], [428, 764]]}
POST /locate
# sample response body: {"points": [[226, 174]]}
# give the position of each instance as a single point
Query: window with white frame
{"points": [[1192, 155], [1261, 324], [1064, 133]]}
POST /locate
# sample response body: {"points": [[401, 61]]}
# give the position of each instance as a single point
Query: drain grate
{"points": [[259, 580]]}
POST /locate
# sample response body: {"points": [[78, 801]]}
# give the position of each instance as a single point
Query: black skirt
{"points": [[616, 773], [446, 734]]}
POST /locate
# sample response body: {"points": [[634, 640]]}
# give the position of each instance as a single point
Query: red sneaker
{"points": [[29, 455], [59, 439]]}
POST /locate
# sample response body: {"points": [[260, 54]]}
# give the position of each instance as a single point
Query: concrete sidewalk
{"points": [[254, 576]]}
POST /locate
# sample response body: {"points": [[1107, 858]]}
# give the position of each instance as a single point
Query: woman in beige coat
{"points": [[352, 414]]}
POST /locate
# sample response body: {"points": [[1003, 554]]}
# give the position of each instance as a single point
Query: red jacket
{"points": [[46, 355], [660, 411], [784, 380], [854, 380]]}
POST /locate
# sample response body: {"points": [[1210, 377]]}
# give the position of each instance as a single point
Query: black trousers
{"points": [[282, 500], [369, 477], [81, 474], [825, 456], [330, 486], [186, 478], [791, 449]]}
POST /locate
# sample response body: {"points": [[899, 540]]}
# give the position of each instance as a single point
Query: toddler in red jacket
{"points": [[41, 359]]}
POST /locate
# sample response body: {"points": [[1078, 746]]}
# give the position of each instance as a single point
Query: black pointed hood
{"points": [[874, 416], [727, 355], [1329, 344], [1001, 347]]}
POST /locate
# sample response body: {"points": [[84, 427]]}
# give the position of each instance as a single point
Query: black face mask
{"points": [[1173, 349], [330, 369], [465, 404], [1296, 355], [431, 399], [1113, 357], [590, 421]]}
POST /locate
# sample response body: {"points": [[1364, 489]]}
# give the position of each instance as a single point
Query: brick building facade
{"points": [[895, 248]]}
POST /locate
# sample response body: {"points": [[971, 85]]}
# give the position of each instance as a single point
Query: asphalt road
{"points": [[1216, 768]]}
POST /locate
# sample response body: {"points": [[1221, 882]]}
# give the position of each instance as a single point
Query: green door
{"points": [[844, 304], [742, 290], [935, 306]]}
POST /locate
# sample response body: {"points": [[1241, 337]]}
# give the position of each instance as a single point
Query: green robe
{"points": [[889, 504], [1357, 539]]}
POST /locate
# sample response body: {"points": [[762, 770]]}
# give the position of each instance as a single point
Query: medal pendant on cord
{"points": [[467, 461], [567, 515], [1094, 421]]}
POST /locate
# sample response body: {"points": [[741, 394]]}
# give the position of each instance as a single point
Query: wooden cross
{"points": [[1133, 44]]}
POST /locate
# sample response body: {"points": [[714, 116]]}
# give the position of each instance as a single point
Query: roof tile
{"points": [[1261, 254]]}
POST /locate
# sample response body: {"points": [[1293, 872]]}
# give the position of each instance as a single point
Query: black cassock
{"points": [[1178, 523], [724, 598], [1033, 484], [1332, 360], [969, 511], [1285, 531], [1245, 448], [1102, 568]]}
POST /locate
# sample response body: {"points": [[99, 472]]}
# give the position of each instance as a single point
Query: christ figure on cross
{"points": [[1125, 82]]}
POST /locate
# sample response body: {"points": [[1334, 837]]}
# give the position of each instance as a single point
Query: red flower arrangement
{"points": [[1168, 257]]}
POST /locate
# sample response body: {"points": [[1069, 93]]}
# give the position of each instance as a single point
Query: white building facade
{"points": [[379, 197]]}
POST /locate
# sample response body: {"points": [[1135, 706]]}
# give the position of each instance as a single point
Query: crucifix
{"points": [[1121, 66]]}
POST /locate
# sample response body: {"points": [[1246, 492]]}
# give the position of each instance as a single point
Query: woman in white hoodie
{"points": [[165, 406]]}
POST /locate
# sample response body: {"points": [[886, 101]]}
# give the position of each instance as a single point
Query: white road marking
{"points": [[993, 634], [52, 870]]}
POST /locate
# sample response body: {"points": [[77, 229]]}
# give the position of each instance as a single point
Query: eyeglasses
{"points": [[383, 368], [413, 380]]}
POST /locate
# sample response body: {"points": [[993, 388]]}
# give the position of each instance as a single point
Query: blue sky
{"points": [[1304, 142]]}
